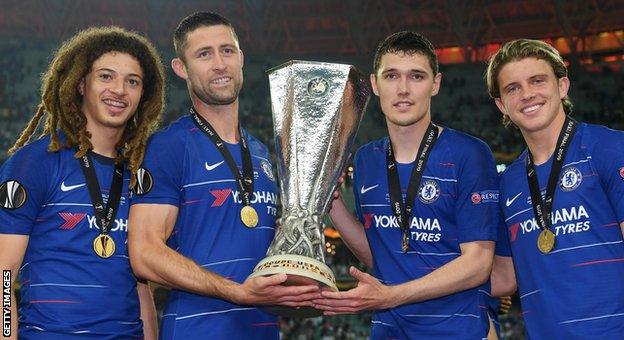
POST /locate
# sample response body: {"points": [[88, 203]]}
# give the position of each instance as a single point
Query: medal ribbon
{"points": [[104, 215], [403, 210], [543, 208], [244, 180]]}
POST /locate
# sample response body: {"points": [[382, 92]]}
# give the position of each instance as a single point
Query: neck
{"points": [[406, 139], [542, 143], [104, 140], [223, 118]]}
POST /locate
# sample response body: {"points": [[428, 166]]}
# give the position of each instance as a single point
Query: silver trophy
{"points": [[317, 109]]}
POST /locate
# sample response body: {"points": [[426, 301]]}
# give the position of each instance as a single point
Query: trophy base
{"points": [[301, 270]]}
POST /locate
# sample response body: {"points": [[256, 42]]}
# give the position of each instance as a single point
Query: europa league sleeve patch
{"points": [[12, 195], [144, 183]]}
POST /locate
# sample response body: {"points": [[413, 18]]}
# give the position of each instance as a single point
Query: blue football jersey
{"points": [[67, 291], [456, 203], [188, 171], [577, 290]]}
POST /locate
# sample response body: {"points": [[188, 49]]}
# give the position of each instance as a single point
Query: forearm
{"points": [[159, 263], [466, 271], [148, 311], [503, 277], [351, 231]]}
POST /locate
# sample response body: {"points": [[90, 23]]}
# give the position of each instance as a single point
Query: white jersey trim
{"points": [[530, 293], [228, 261], [215, 312], [207, 182], [66, 285], [584, 246], [592, 318], [516, 214], [443, 315]]}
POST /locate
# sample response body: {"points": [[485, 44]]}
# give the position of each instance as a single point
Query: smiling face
{"points": [[111, 91], [212, 66], [530, 95], [405, 84]]}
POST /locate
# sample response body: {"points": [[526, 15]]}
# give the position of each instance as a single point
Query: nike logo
{"points": [[509, 201], [365, 189], [66, 188], [213, 166]]}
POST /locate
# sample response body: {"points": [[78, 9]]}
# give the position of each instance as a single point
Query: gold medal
{"points": [[249, 216], [405, 243], [546, 241], [104, 246]]}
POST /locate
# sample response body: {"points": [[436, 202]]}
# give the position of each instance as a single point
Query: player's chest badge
{"points": [[571, 178], [429, 191]]}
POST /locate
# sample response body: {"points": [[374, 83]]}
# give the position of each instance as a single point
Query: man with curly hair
{"points": [[64, 197]]}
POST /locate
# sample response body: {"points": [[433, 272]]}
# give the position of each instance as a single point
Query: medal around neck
{"points": [[317, 109], [546, 241], [104, 246], [249, 216]]}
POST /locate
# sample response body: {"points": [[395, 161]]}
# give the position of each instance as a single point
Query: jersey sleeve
{"points": [[160, 175], [608, 160], [476, 211], [356, 193], [23, 189]]}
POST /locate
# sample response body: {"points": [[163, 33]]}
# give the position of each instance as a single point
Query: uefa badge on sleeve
{"points": [[12, 195], [144, 182], [621, 171]]}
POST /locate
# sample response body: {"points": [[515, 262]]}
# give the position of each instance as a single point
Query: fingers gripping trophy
{"points": [[317, 108]]}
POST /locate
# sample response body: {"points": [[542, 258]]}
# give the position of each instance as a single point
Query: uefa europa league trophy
{"points": [[317, 108]]}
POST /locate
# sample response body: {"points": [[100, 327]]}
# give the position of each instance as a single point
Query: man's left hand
{"points": [[369, 294]]}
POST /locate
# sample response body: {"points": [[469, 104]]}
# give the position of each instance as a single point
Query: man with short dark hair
{"points": [[426, 204], [205, 212]]}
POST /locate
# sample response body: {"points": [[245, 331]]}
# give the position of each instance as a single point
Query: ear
{"points": [[81, 86], [179, 68], [437, 81], [564, 86], [500, 105], [242, 58], [373, 81]]}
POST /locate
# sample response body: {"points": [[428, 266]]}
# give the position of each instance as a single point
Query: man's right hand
{"points": [[269, 290]]}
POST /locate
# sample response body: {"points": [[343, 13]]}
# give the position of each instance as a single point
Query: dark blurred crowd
{"points": [[462, 103]]}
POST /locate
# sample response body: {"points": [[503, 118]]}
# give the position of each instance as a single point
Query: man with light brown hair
{"points": [[562, 201]]}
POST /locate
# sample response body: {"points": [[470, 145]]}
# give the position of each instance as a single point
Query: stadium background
{"points": [[590, 35]]}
